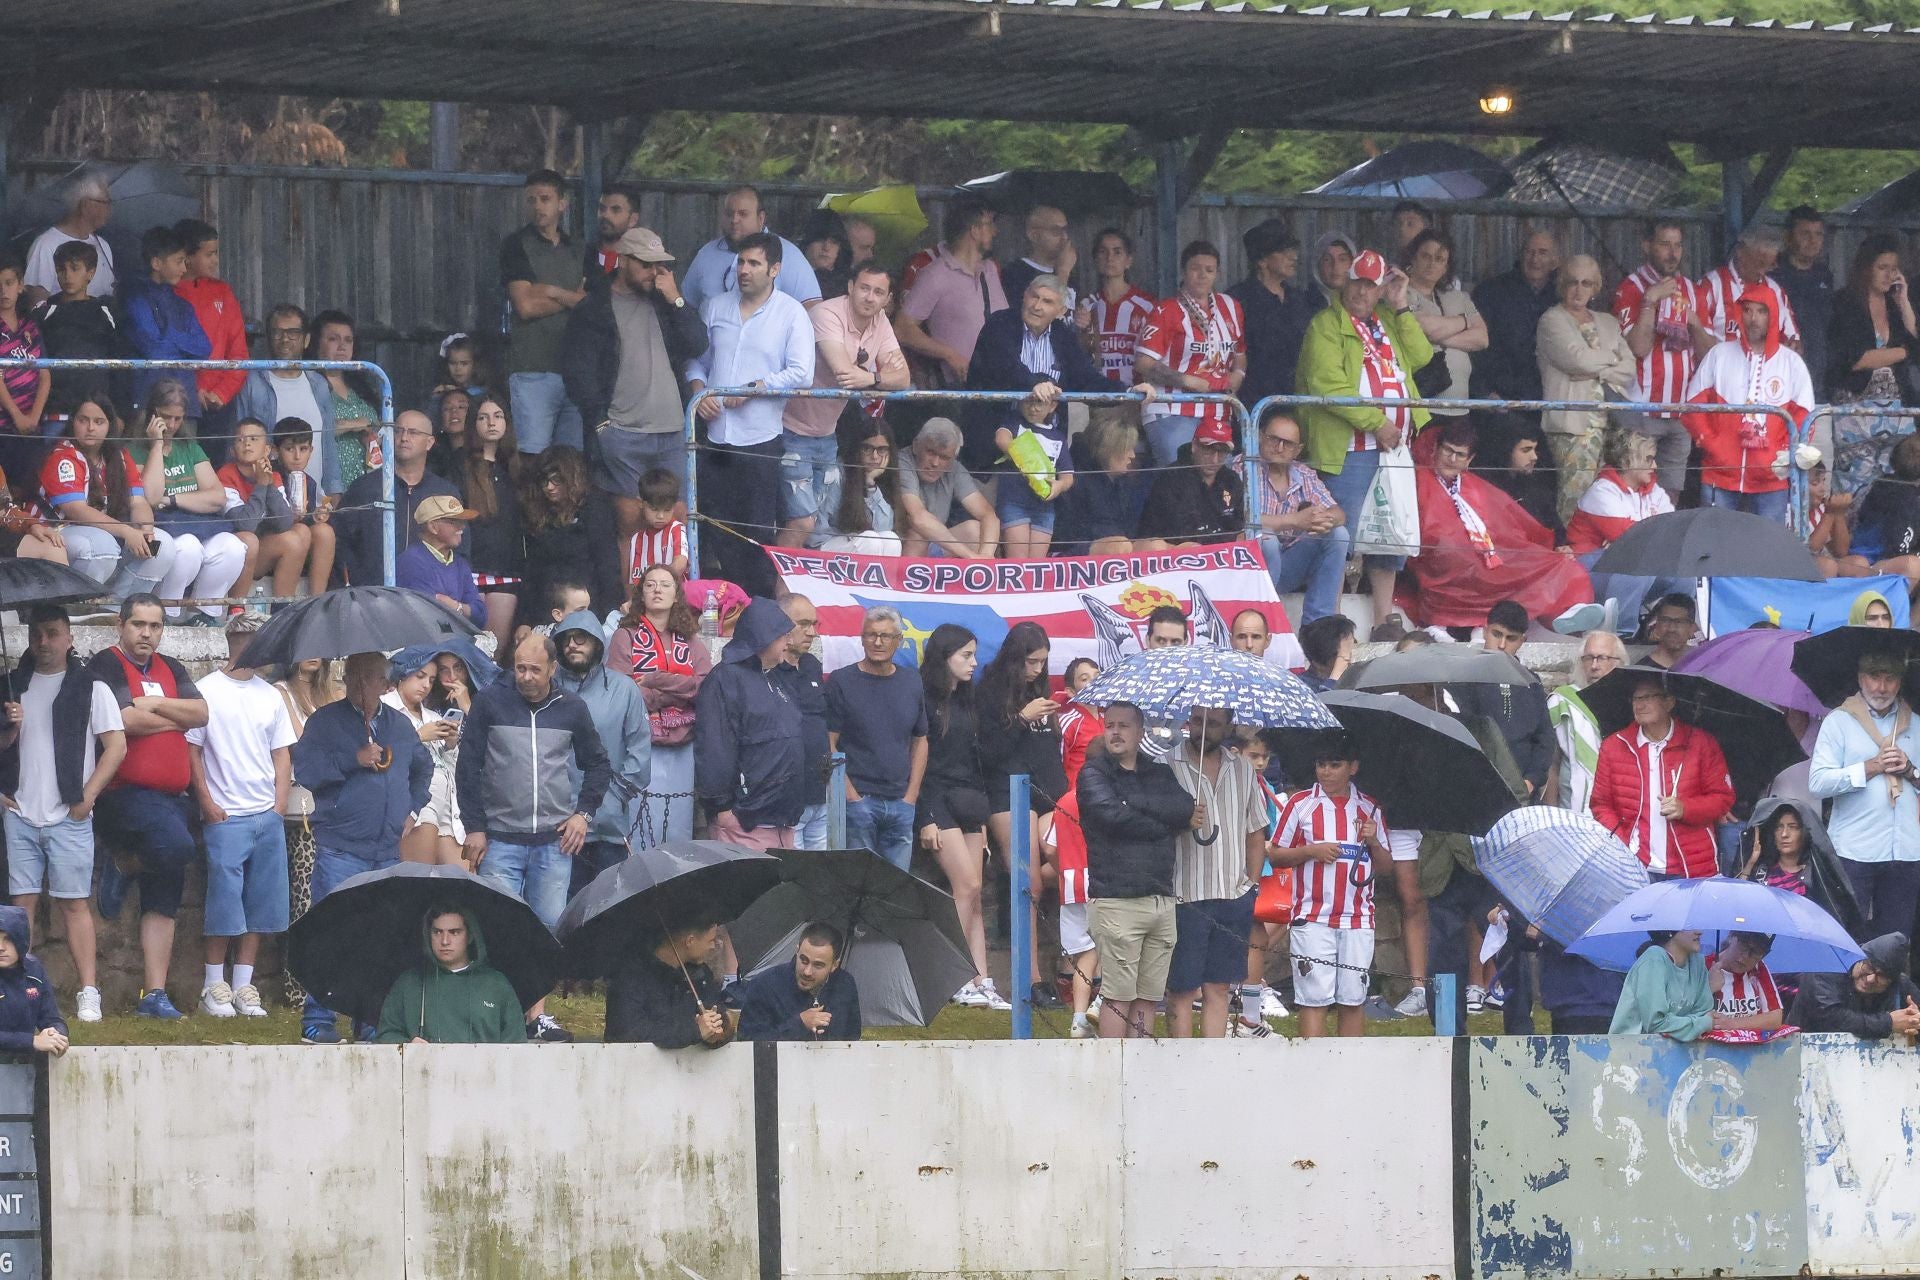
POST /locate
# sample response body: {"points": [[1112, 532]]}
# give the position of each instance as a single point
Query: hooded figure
{"points": [[468, 1002], [1834, 1001], [1821, 877], [28, 1005], [620, 717], [749, 758], [1748, 453], [1857, 612]]}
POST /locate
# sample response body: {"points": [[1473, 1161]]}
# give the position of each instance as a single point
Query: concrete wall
{"points": [[1265, 1160]]}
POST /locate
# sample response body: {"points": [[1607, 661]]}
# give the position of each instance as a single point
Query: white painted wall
{"points": [[1860, 1128]]}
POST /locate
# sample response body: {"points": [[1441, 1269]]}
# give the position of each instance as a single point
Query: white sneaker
{"points": [[1476, 999], [1080, 1030], [246, 1000], [88, 1005], [1415, 1005], [217, 1000], [973, 996], [1272, 1006], [995, 1001]]}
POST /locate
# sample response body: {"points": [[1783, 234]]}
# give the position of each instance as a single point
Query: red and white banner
{"points": [[1091, 606]]}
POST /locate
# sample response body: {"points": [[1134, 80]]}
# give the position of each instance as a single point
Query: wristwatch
{"points": [[680, 301]]}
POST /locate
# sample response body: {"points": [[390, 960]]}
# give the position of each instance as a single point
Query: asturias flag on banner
{"points": [[1091, 606], [1734, 604]]}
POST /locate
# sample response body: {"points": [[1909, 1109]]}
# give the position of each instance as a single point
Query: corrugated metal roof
{"points": [[1166, 66]]}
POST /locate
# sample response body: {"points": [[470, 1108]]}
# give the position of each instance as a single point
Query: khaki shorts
{"points": [[1135, 938]]}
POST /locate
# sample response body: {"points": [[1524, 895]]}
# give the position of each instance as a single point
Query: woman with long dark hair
{"points": [[92, 486], [570, 531], [953, 804], [658, 645], [864, 503], [1788, 848], [1873, 347], [487, 471], [356, 401]]}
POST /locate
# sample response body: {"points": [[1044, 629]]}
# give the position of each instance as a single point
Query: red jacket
{"points": [[1621, 804], [1737, 453], [219, 313]]}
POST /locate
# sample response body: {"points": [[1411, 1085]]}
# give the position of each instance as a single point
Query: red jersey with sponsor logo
{"points": [[1744, 995], [1199, 338], [67, 476], [1339, 895], [1118, 325], [1661, 376], [658, 546]]}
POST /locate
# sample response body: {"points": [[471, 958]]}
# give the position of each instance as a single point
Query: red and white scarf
{"points": [[1380, 375], [1476, 527]]}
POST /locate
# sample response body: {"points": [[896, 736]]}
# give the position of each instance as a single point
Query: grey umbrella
{"points": [[1429, 169], [1437, 664], [905, 949], [355, 620], [1710, 542]]}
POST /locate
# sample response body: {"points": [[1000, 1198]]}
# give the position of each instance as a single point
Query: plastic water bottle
{"points": [[710, 618]]}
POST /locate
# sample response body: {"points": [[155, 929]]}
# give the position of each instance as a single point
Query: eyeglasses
{"points": [[294, 332], [878, 450], [1280, 442], [1598, 657]]}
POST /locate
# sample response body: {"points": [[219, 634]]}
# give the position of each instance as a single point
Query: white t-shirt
{"points": [[247, 722], [39, 793], [293, 398], [40, 263]]}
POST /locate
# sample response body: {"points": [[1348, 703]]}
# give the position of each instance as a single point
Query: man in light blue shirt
{"points": [[714, 271], [757, 337], [1864, 762]]}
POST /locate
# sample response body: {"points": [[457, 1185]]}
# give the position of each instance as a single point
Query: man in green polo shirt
{"points": [[540, 268]]}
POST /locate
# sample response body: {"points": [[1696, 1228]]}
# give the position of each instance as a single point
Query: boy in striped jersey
{"points": [[1334, 837]]}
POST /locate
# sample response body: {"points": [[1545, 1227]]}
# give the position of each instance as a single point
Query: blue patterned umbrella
{"points": [[1560, 869], [1805, 938], [1167, 684]]}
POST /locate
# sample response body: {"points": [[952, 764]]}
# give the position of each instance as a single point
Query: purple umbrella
{"points": [[1757, 663]]}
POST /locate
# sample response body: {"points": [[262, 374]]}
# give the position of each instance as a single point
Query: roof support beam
{"points": [[1179, 170], [1743, 192]]}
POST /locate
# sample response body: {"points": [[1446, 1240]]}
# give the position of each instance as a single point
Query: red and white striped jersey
{"points": [[1200, 339], [1118, 325], [1070, 848], [1609, 508], [1743, 995], [911, 272], [1663, 373], [1720, 291], [660, 546], [1339, 895], [1080, 727]]}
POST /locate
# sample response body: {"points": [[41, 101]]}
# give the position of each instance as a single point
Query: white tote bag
{"points": [[1389, 523]]}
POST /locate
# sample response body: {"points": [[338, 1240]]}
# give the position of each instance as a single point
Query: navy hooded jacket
{"points": [[27, 1001], [749, 755], [771, 1003]]}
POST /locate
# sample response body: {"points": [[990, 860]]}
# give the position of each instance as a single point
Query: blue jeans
{"points": [[1630, 592], [542, 414], [1773, 506], [810, 832], [1165, 435], [331, 869], [246, 875], [538, 874], [1350, 487], [884, 826], [1317, 563], [809, 469]]}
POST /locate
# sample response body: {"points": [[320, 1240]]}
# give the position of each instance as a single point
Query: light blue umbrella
{"points": [[1167, 684], [1805, 938], [1560, 869]]}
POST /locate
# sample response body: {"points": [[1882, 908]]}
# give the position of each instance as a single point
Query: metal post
{"points": [[6, 137], [1446, 1006], [1170, 162], [443, 132], [593, 174], [837, 802], [1020, 815], [1734, 181]]}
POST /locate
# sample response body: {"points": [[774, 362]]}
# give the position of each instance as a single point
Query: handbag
{"points": [[1389, 520], [1433, 377], [1274, 902]]}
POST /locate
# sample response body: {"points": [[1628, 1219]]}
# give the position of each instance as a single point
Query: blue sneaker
{"points": [[320, 1033], [113, 889], [156, 1004]]}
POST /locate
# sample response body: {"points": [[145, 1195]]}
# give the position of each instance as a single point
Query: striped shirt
{"points": [[658, 546], [1070, 849], [1118, 325], [1744, 995], [1340, 895], [1196, 338], [1235, 809], [1662, 374], [1720, 291]]}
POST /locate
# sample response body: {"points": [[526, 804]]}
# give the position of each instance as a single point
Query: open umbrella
{"points": [[1895, 202], [1752, 735], [350, 947], [1424, 768], [1560, 869], [894, 212], [1829, 663], [1710, 542], [1757, 662], [1825, 879], [1167, 684], [25, 583], [631, 904], [355, 620], [1805, 938], [1072, 192], [1437, 664], [905, 949], [1615, 172], [1428, 169]]}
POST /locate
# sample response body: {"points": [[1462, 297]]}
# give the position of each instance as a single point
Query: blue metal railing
{"points": [[388, 551]]}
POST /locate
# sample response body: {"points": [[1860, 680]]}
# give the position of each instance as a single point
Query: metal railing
{"points": [[1242, 421], [388, 549]]}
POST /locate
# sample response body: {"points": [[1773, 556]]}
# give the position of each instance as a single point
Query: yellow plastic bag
{"points": [[1027, 453]]}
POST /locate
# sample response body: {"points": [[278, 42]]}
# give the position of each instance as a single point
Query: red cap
{"points": [[1214, 431], [1368, 266]]}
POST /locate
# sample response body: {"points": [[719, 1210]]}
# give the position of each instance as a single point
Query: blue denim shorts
{"points": [[56, 860], [246, 875], [1015, 502]]}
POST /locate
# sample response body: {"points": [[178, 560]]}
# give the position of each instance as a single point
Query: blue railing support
{"points": [[1019, 855], [837, 802]]}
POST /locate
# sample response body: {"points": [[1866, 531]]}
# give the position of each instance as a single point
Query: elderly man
{"points": [[89, 207], [714, 269], [949, 299], [931, 487], [877, 714], [1875, 1000], [757, 338], [813, 999], [1032, 349], [1512, 304], [805, 684], [1303, 532], [1576, 733], [1863, 761], [1755, 254], [1050, 252], [1193, 342], [1660, 785]]}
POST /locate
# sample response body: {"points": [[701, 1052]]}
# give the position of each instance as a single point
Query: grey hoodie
{"points": [[620, 718]]}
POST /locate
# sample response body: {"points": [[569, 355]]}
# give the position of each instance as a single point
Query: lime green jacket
{"points": [[1330, 361]]}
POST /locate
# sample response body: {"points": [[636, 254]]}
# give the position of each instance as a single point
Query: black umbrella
{"points": [[1424, 768], [1076, 194], [1829, 663], [1710, 542], [631, 904], [25, 583], [355, 620], [905, 949], [1753, 735], [350, 947], [1437, 664], [1428, 169]]}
